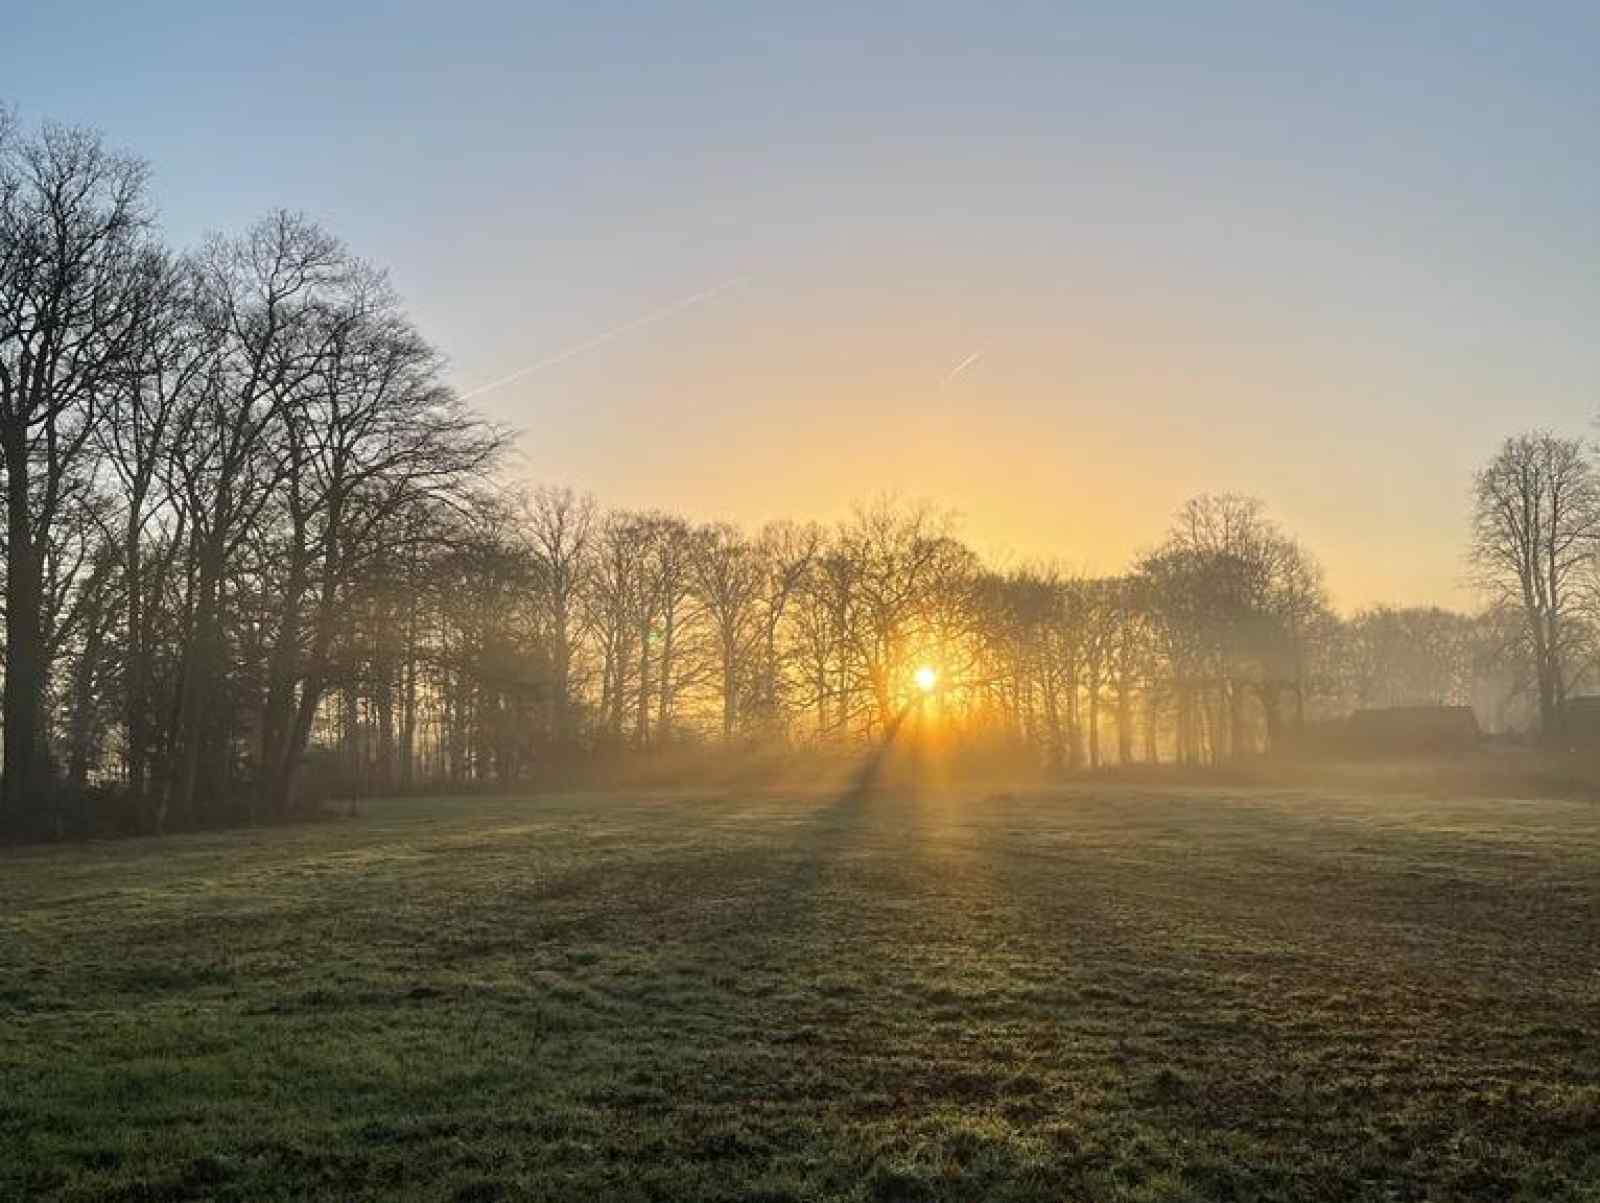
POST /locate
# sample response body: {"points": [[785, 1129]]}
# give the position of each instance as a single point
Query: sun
{"points": [[926, 678]]}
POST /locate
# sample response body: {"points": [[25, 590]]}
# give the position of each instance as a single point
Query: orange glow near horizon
{"points": [[1075, 453]]}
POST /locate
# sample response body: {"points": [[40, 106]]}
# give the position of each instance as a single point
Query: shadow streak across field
{"points": [[912, 886]]}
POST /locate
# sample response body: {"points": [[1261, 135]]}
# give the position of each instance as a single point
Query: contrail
{"points": [[964, 365], [604, 336]]}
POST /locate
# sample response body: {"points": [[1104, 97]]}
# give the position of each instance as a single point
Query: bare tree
{"points": [[899, 557], [170, 360], [261, 296], [1409, 656], [787, 552], [613, 600], [561, 529], [1242, 602], [371, 433], [728, 575], [76, 270], [1535, 522]]}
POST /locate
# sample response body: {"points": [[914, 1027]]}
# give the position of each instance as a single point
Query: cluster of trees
{"points": [[206, 457], [549, 636], [253, 547]]}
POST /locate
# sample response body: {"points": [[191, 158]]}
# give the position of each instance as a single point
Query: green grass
{"points": [[1101, 993]]}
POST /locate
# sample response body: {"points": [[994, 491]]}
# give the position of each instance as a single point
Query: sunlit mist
{"points": [[802, 601]]}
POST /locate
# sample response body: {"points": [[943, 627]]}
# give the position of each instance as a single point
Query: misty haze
{"points": [[775, 603]]}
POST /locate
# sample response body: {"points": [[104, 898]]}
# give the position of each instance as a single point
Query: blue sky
{"points": [[1325, 254]]}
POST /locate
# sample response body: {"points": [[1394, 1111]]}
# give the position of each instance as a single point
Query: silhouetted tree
{"points": [[77, 276], [1535, 522]]}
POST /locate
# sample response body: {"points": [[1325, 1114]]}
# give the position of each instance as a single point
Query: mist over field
{"points": [[779, 603]]}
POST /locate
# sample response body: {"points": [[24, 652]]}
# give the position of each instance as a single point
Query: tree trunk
{"points": [[23, 696], [1094, 723], [1152, 715], [135, 665], [84, 681], [1272, 711], [277, 716], [664, 698], [1052, 715], [408, 704], [199, 688], [730, 692], [1124, 725], [641, 734]]}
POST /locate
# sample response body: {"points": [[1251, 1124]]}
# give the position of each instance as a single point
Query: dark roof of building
{"points": [[1399, 722]]}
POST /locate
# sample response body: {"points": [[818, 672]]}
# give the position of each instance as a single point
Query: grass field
{"points": [[1095, 993]]}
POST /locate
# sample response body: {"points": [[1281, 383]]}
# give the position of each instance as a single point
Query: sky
{"points": [[1056, 267]]}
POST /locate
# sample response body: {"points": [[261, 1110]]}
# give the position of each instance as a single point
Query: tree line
{"points": [[255, 548]]}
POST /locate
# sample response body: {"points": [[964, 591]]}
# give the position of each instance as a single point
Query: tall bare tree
{"points": [[1535, 523], [561, 530], [262, 296], [76, 276], [171, 359], [728, 574]]}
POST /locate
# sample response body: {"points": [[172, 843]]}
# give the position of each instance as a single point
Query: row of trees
{"points": [[248, 531], [547, 635]]}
